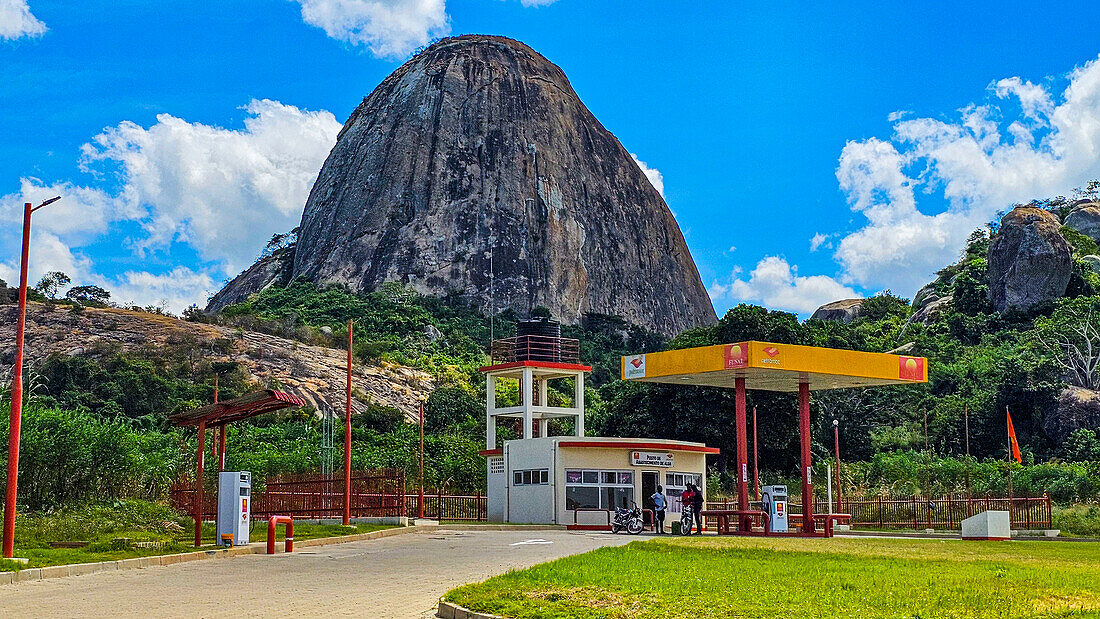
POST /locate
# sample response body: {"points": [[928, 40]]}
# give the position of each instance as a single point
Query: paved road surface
{"points": [[400, 576]]}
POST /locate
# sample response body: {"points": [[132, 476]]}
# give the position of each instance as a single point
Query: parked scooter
{"points": [[629, 519]]}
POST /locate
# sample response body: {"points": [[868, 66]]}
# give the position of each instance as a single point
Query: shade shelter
{"points": [[774, 367], [220, 414]]}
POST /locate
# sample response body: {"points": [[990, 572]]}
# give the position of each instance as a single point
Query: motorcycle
{"points": [[687, 517], [629, 519]]}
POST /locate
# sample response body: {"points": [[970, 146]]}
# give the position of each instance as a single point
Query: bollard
{"points": [[273, 522]]}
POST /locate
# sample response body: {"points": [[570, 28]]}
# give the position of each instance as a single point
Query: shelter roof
{"points": [[228, 411]]}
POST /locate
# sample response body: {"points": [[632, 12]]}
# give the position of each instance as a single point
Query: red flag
{"points": [[1012, 439]]}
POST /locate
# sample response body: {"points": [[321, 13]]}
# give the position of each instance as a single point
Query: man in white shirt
{"points": [[659, 505]]}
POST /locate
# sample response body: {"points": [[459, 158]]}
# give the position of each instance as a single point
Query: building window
{"points": [[531, 477], [675, 484], [598, 489]]}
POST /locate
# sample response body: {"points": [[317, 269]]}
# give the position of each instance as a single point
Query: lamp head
{"points": [[835, 423]]}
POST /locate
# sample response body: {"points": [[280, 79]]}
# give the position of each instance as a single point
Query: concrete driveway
{"points": [[399, 576]]}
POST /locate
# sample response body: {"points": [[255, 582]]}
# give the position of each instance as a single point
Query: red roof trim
{"points": [[553, 365], [630, 445], [491, 452]]}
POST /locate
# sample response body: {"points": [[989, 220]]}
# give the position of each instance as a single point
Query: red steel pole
{"points": [[17, 393], [804, 435], [742, 453], [347, 439], [755, 459], [420, 497], [836, 446], [201, 455], [221, 448]]}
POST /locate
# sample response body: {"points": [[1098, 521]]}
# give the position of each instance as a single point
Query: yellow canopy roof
{"points": [[774, 367]]}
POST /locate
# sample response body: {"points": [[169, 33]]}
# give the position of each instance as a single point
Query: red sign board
{"points": [[911, 368], [737, 356]]}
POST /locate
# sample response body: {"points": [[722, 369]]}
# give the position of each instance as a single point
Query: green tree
{"points": [[51, 283]]}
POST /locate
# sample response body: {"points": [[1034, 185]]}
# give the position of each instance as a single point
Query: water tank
{"points": [[538, 339]]}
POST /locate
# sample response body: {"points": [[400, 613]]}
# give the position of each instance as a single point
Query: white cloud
{"points": [[81, 214], [982, 162], [897, 115], [388, 28], [820, 240], [48, 253], [777, 285], [16, 20], [652, 174], [537, 2], [222, 191], [173, 291]]}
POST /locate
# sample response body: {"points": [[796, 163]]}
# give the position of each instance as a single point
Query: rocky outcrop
{"points": [[1085, 218], [474, 169], [1076, 408], [932, 308], [1029, 261], [845, 310], [268, 271], [315, 373]]}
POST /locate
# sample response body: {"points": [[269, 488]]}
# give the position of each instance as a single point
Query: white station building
{"points": [[570, 480]]}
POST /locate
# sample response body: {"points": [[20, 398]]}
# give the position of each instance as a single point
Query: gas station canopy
{"points": [[774, 367]]}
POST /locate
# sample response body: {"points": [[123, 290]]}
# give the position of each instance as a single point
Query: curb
{"points": [[496, 527], [256, 548], [448, 610]]}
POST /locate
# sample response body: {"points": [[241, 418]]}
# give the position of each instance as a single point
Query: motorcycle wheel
{"points": [[634, 527], [615, 528]]}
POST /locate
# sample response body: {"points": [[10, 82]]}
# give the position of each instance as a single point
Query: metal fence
{"points": [[438, 506], [373, 493], [920, 512]]}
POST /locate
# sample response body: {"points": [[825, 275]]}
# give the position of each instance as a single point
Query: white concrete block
{"points": [[987, 525]]}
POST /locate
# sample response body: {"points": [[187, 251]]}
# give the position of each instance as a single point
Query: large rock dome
{"points": [[474, 169]]}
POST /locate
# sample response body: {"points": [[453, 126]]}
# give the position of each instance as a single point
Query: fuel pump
{"points": [[774, 499], [234, 507]]}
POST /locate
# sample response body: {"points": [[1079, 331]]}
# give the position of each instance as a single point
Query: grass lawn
{"points": [[840, 577], [107, 528]]}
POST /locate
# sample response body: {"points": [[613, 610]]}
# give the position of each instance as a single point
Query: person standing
{"points": [[659, 505], [697, 508]]}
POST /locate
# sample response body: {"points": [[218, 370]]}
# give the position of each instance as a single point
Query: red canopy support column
{"points": [[745, 522], [804, 435], [200, 454]]}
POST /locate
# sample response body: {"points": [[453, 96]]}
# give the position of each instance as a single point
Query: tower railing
{"points": [[535, 348]]}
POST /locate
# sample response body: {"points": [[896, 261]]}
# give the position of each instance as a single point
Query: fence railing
{"points": [[373, 493], [535, 348], [918, 512], [438, 506]]}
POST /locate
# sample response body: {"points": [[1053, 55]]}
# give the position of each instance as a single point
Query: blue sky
{"points": [[184, 134]]}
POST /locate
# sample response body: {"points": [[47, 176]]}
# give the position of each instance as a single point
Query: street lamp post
{"points": [[836, 446], [17, 386]]}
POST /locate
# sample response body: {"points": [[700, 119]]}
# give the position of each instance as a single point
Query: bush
{"points": [[73, 456], [1078, 520]]}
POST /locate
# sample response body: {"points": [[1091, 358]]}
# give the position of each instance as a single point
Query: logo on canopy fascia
{"points": [[911, 368], [737, 356], [634, 366]]}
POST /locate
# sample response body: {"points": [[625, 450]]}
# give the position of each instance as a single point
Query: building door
{"points": [[649, 486]]}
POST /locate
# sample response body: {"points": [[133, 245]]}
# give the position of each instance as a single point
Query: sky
{"points": [[809, 151]]}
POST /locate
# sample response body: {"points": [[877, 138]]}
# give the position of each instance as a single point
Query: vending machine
{"points": [[234, 507], [774, 499]]}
